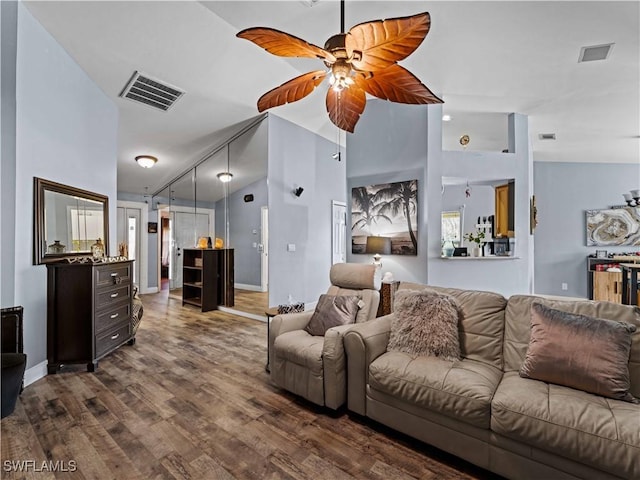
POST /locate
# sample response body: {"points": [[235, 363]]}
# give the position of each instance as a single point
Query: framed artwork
{"points": [[386, 210], [616, 226]]}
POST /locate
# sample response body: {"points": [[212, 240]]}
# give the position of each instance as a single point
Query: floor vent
{"points": [[149, 91], [596, 52]]}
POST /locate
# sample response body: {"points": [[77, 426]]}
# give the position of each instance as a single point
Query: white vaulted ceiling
{"points": [[485, 59]]}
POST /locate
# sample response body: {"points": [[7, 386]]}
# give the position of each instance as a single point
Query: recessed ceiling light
{"points": [[224, 177], [146, 161], [446, 118], [547, 136], [595, 52]]}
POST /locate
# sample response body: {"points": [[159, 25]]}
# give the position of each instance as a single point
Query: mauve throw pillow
{"points": [[331, 311], [425, 322], [581, 352]]}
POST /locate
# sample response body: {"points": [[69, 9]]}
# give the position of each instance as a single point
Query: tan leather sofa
{"points": [[481, 410], [314, 367]]}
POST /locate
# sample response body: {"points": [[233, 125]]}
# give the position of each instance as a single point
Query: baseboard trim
{"points": [[245, 286], [35, 373], [240, 313], [149, 290]]}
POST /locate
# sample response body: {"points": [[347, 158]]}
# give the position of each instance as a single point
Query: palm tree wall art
{"points": [[386, 210]]}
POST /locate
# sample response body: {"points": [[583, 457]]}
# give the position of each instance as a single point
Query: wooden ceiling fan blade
{"points": [[291, 91], [284, 45], [397, 84], [385, 42], [345, 107]]}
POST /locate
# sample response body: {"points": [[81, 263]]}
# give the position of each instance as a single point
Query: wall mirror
{"points": [[67, 221]]}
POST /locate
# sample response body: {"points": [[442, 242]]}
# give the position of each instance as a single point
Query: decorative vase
{"points": [[448, 249], [476, 252], [97, 249], [57, 247]]}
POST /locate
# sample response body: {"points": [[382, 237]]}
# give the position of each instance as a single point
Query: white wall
{"points": [[66, 132], [563, 192], [297, 157], [390, 145], [399, 142], [505, 276]]}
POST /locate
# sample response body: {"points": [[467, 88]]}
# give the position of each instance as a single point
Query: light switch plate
{"points": [[291, 247]]}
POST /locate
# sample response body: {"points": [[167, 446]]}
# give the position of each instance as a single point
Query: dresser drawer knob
{"points": [[114, 295], [115, 315], [113, 337]]}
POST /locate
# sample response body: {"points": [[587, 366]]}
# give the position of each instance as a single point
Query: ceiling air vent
{"points": [[149, 91], [595, 52]]}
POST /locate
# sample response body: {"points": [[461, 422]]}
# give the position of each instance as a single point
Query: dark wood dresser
{"points": [[88, 311]]}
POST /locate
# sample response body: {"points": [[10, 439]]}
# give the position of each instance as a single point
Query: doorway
{"points": [[132, 239]]}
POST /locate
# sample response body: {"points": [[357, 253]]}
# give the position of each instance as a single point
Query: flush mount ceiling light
{"points": [[146, 161], [224, 177], [363, 60]]}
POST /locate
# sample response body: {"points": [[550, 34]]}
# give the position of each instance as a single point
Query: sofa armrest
{"points": [[363, 343], [334, 366], [287, 322]]}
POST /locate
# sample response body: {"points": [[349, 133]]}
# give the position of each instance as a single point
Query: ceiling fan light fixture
{"points": [[225, 177], [146, 161]]}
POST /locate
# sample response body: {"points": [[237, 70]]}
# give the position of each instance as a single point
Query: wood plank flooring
{"points": [[191, 400], [251, 302]]}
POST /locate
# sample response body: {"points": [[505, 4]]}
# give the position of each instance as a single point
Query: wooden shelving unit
{"points": [[207, 278], [603, 285]]}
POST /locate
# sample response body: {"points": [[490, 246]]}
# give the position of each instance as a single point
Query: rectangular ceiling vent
{"points": [[595, 52], [144, 89]]}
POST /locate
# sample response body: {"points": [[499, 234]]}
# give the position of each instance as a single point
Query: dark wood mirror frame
{"points": [[40, 185]]}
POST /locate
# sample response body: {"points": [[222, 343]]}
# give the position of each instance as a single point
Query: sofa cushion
{"points": [[584, 427], [300, 348], [331, 311], [461, 389], [425, 322], [579, 351], [518, 327], [481, 327]]}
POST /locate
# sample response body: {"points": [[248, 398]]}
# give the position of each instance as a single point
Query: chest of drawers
{"points": [[88, 311]]}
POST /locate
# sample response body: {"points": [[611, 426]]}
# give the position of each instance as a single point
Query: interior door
{"points": [[338, 232], [128, 234]]}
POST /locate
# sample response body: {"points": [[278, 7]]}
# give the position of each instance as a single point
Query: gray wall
{"points": [[390, 145], [66, 132], [8, 46], [563, 192], [399, 142], [481, 203], [298, 157], [244, 218]]}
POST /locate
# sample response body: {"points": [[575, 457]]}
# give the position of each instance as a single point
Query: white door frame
{"points": [[264, 255], [335, 235], [143, 256]]}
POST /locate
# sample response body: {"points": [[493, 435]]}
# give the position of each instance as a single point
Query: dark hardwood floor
{"points": [[191, 399]]}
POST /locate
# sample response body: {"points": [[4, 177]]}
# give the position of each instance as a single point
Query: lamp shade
{"points": [[379, 245]]}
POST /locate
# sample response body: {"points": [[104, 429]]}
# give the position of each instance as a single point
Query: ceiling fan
{"points": [[363, 60]]}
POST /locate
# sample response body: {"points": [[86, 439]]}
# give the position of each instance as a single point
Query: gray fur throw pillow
{"points": [[425, 323]]}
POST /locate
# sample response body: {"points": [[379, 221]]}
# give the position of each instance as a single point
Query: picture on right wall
{"points": [[615, 226]]}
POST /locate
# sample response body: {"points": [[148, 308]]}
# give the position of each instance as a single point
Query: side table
{"points": [[387, 292], [270, 313]]}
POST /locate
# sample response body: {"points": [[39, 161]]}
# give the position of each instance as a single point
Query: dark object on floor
{"points": [[136, 312], [13, 361]]}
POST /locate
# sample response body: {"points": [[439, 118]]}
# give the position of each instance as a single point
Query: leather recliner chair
{"points": [[314, 367]]}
